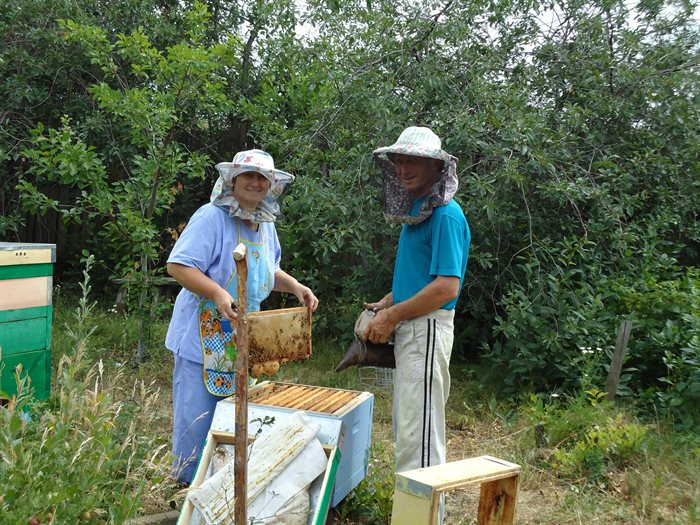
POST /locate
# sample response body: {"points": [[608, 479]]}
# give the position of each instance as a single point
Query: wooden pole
{"points": [[623, 336], [240, 464]]}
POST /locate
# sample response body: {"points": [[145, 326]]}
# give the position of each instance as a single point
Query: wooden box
{"points": [[345, 417], [417, 493], [26, 283], [319, 492]]}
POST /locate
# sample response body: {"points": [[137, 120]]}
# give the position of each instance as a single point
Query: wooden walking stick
{"points": [[240, 464]]}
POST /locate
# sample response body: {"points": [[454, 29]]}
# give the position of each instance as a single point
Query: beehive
{"points": [[319, 492], [345, 417], [26, 283]]}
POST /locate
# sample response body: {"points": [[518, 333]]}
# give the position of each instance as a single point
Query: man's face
{"points": [[417, 174]]}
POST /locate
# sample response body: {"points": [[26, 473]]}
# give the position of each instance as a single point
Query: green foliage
{"points": [[589, 439], [613, 445], [371, 501], [577, 140], [81, 456]]}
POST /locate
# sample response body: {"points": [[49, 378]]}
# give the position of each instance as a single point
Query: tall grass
{"points": [[83, 455]]}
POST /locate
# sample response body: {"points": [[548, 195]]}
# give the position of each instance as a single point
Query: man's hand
{"points": [[381, 326], [382, 304]]}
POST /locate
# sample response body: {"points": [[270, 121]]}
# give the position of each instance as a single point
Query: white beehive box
{"points": [[345, 417], [319, 492]]}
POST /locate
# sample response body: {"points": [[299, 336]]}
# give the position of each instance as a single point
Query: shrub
{"points": [[588, 437]]}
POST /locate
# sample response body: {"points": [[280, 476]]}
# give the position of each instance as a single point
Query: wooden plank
{"points": [[329, 401], [276, 393], [311, 400], [19, 271], [613, 380], [341, 402], [320, 403], [17, 337], [259, 390], [304, 397], [455, 474], [22, 314], [358, 399], [296, 400], [262, 396], [286, 397], [497, 501], [26, 254], [25, 293], [240, 466], [409, 508]]}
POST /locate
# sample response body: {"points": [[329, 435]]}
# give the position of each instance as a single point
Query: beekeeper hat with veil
{"points": [[243, 162], [417, 142]]}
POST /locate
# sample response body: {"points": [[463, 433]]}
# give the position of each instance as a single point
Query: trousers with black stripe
{"points": [[422, 347]]}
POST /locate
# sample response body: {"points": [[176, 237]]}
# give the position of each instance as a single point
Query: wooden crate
{"points": [[345, 417], [26, 312], [418, 492], [319, 493]]}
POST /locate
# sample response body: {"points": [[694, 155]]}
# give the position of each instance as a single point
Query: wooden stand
{"points": [[240, 464], [417, 494]]}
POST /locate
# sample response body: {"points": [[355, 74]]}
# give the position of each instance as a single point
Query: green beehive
{"points": [[26, 283]]}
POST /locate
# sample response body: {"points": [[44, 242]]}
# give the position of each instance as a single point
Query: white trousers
{"points": [[422, 347]]}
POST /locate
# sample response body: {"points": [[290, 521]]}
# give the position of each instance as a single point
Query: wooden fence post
{"points": [[623, 336], [240, 465]]}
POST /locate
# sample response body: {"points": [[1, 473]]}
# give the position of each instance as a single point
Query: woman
{"points": [[244, 205]]}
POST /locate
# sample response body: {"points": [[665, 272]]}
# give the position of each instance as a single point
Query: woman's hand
{"points": [[286, 283], [225, 305], [199, 284], [306, 297]]}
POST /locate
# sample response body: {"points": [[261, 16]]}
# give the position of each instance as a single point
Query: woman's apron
{"points": [[217, 335]]}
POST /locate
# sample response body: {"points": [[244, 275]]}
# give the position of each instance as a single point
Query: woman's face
{"points": [[249, 189]]}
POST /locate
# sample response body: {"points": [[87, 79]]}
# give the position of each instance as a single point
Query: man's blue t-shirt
{"points": [[437, 246]]}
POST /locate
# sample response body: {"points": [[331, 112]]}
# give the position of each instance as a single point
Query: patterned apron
{"points": [[217, 335]]}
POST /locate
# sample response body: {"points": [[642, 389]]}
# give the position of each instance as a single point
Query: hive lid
{"points": [[12, 253]]}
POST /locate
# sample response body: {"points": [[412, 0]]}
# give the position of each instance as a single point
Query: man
{"points": [[419, 181]]}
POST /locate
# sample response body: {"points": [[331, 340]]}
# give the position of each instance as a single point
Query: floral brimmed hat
{"points": [[258, 161], [418, 142]]}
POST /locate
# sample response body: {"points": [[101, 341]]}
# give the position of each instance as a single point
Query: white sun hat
{"points": [[418, 142], [258, 161]]}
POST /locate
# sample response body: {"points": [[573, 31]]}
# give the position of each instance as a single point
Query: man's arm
{"points": [[440, 291], [384, 302]]}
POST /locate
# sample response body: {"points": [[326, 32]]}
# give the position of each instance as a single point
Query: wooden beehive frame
{"points": [[303, 397]]}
